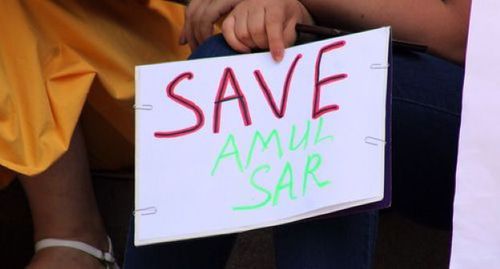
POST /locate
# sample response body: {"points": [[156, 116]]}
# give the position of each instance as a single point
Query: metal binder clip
{"points": [[143, 107], [373, 140], [146, 211], [379, 66]]}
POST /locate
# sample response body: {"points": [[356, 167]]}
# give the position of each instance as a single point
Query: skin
{"points": [[200, 17], [440, 25], [246, 23], [63, 206], [264, 24]]}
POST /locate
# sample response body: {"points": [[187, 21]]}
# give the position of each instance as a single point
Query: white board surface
{"points": [[213, 157]]}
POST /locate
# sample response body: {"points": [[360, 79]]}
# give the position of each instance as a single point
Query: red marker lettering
{"points": [[200, 118], [229, 77], [318, 83], [279, 113]]}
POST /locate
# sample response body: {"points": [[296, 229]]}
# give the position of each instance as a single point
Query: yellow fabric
{"points": [[58, 58]]}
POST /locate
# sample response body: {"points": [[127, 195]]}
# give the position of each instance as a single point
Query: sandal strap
{"points": [[106, 257]]}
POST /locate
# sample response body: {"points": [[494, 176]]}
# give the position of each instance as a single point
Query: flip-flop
{"points": [[106, 258]]}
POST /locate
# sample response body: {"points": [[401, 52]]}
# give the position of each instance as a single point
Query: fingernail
{"points": [[277, 55]]}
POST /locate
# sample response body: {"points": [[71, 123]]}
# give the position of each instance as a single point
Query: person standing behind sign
{"points": [[424, 162], [426, 112], [426, 90], [270, 24]]}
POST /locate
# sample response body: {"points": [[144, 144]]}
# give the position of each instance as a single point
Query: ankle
{"points": [[62, 258], [95, 236]]}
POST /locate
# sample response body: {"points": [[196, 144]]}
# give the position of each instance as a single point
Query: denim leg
{"points": [[426, 109], [427, 96], [213, 47], [341, 242], [204, 253]]}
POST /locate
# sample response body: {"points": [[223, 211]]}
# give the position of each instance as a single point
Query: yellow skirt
{"points": [[62, 59]]}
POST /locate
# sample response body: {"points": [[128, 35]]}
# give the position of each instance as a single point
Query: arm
{"points": [[440, 25]]}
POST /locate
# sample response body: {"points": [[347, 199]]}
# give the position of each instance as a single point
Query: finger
{"points": [[191, 40], [190, 12], [257, 28], [241, 28], [274, 28], [196, 24], [289, 33], [202, 27], [213, 12], [219, 8], [205, 28], [230, 35]]}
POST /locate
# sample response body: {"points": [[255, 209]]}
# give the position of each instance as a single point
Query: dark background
{"points": [[402, 243]]}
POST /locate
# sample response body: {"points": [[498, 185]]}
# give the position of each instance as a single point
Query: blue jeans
{"points": [[426, 108], [426, 114], [343, 242]]}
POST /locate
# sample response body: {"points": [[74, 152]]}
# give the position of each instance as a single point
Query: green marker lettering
{"points": [[303, 141], [254, 184], [283, 184], [318, 139], [265, 144], [312, 165], [234, 152]]}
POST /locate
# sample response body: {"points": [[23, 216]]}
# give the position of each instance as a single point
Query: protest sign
{"points": [[235, 143]]}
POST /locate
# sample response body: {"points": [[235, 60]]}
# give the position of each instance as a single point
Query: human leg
{"points": [[63, 206], [426, 120], [338, 242], [427, 94], [203, 253]]}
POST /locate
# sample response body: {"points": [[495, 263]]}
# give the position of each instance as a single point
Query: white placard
{"points": [[220, 148], [476, 220]]}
